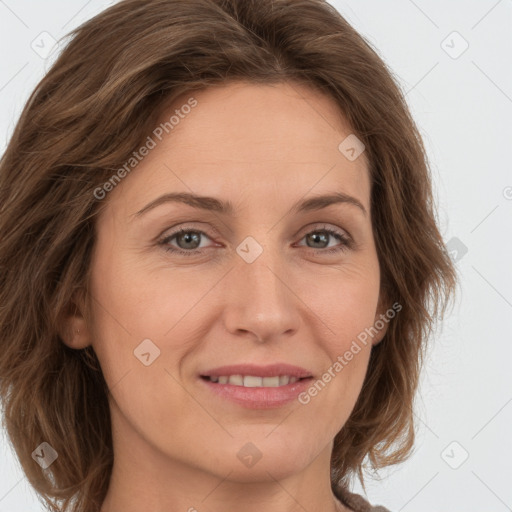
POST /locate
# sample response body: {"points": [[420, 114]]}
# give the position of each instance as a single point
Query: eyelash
{"points": [[346, 242]]}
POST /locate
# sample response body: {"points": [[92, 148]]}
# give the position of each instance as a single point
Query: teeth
{"points": [[236, 380], [251, 381], [271, 382]]}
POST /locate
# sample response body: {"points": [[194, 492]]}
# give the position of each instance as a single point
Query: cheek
{"points": [[141, 302], [133, 304], [346, 303], [345, 300], [136, 313]]}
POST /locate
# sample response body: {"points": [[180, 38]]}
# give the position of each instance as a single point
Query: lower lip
{"points": [[259, 397]]}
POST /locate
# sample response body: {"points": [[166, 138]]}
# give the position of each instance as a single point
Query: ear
{"points": [[381, 320], [73, 329]]}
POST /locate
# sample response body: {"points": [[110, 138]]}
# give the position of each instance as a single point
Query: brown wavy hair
{"points": [[97, 104]]}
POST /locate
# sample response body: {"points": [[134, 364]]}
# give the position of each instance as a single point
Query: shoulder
{"points": [[356, 502]]}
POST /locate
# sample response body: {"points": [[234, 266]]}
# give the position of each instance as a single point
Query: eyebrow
{"points": [[226, 207]]}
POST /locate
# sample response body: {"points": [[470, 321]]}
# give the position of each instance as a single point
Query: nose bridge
{"points": [[262, 300]]}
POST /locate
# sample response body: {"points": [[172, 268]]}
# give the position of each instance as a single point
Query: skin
{"points": [[262, 147]]}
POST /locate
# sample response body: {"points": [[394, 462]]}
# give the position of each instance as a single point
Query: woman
{"points": [[172, 336]]}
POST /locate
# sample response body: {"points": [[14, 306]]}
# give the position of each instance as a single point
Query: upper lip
{"points": [[273, 370]]}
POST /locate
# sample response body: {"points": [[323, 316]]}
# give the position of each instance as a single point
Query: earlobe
{"points": [[382, 332], [74, 334], [73, 329], [381, 321]]}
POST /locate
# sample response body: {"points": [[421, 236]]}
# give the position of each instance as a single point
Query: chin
{"points": [[273, 468], [264, 457]]}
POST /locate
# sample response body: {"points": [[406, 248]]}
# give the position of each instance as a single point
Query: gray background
{"points": [[462, 101]]}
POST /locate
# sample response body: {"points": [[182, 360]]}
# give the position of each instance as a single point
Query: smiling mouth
{"points": [[253, 381]]}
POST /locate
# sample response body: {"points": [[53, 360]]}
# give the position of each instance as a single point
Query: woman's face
{"points": [[261, 284]]}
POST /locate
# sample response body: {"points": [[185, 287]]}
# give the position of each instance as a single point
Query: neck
{"points": [[144, 478]]}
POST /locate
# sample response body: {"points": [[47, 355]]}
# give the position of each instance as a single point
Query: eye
{"points": [[322, 236], [189, 241]]}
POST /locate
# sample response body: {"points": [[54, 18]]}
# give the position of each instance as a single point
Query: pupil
{"points": [[315, 237], [188, 237]]}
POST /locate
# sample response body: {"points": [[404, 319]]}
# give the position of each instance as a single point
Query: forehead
{"points": [[283, 119], [241, 140]]}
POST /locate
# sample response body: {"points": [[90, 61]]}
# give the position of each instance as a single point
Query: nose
{"points": [[263, 305]]}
